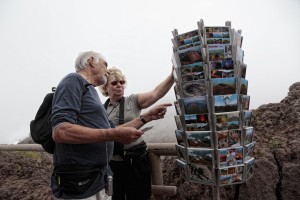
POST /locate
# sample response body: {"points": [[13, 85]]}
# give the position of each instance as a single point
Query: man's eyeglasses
{"points": [[116, 82]]}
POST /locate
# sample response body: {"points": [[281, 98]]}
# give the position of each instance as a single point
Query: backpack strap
{"points": [[118, 147], [121, 109]]}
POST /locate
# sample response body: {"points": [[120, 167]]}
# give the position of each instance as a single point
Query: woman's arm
{"points": [[147, 99]]}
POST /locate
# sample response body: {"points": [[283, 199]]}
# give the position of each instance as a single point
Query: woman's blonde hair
{"points": [[117, 73]]}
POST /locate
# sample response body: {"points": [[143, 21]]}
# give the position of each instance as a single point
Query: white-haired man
{"points": [[83, 133]]}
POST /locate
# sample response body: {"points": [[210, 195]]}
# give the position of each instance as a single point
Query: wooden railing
{"points": [[159, 190]]}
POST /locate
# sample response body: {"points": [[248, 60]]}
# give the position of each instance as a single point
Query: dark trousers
{"points": [[132, 180]]}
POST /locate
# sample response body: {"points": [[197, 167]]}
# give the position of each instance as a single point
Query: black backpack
{"points": [[40, 129]]}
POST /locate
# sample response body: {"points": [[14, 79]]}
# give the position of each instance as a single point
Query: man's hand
{"points": [[124, 135], [158, 112]]}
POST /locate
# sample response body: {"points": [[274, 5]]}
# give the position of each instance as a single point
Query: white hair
{"points": [[82, 59]]}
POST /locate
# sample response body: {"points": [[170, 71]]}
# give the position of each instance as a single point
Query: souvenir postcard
{"points": [[193, 77], [242, 70], [230, 156], [191, 68], [217, 35], [194, 44], [219, 52], [190, 55], [198, 127], [192, 72], [179, 122], [222, 86], [177, 91], [203, 174], [197, 122], [221, 73], [238, 54], [245, 102], [225, 103], [223, 64], [249, 165], [181, 137], [195, 105], [230, 138], [200, 156], [247, 115], [248, 150], [178, 107], [199, 139], [227, 121], [187, 38], [231, 175], [183, 169], [237, 38], [243, 86], [194, 88], [247, 135], [196, 118], [175, 60], [181, 152]]}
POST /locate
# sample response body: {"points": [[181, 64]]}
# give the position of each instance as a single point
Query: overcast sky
{"points": [[39, 41]]}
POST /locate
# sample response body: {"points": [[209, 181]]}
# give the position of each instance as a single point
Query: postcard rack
{"points": [[214, 132]]}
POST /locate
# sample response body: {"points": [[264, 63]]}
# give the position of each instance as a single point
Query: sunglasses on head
{"points": [[116, 82]]}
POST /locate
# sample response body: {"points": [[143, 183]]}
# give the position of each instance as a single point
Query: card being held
{"points": [[147, 128]]}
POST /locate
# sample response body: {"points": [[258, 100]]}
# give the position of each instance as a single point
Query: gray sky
{"points": [[39, 41]]}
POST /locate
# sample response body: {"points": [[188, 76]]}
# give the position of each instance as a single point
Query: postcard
{"points": [[194, 44], [229, 138], [195, 105], [247, 115], [238, 54], [245, 102], [221, 73], [178, 121], [190, 55], [200, 156], [242, 70], [177, 91], [230, 156], [194, 88], [203, 174], [249, 148], [178, 108], [181, 137], [231, 175], [191, 69], [199, 139], [217, 35], [249, 165], [186, 38], [247, 135], [225, 103], [237, 38], [227, 121], [198, 127], [219, 52], [244, 86], [193, 77], [181, 152], [223, 86], [183, 168]]}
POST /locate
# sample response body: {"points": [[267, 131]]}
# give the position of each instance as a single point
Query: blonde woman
{"points": [[130, 163]]}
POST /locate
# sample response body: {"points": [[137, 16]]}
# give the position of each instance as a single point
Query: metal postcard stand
{"points": [[214, 132]]}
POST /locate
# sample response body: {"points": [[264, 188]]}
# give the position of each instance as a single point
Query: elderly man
{"points": [[83, 133]]}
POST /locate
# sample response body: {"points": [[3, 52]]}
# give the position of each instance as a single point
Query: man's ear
{"points": [[91, 61]]}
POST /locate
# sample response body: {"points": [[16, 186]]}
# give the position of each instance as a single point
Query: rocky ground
{"points": [[25, 175]]}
